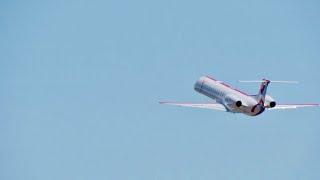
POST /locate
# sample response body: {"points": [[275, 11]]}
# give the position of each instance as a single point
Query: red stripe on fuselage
{"points": [[211, 78], [234, 89]]}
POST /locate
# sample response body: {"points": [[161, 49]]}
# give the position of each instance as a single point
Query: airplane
{"points": [[232, 100]]}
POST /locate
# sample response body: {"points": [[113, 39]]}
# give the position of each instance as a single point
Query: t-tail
{"points": [[260, 97]]}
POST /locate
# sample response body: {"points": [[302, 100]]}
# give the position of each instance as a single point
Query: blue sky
{"points": [[81, 81]]}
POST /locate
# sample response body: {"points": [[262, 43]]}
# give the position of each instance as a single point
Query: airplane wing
{"points": [[292, 106], [210, 105]]}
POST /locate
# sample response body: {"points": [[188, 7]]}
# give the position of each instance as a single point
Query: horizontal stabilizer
{"points": [[264, 80]]}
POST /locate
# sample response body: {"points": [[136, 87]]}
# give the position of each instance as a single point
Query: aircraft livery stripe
{"points": [[228, 86]]}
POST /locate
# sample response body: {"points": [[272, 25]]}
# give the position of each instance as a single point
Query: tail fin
{"points": [[263, 91]]}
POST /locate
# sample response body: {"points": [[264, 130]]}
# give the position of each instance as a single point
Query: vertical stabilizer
{"points": [[263, 90]]}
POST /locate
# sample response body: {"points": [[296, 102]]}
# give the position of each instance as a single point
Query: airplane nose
{"points": [[197, 85]]}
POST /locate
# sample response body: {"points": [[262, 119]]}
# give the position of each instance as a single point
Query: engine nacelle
{"points": [[269, 102], [238, 103], [233, 100]]}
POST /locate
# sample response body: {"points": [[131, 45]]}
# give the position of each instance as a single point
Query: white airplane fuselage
{"points": [[233, 100]]}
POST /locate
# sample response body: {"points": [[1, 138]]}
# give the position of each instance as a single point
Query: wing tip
{"points": [[161, 102]]}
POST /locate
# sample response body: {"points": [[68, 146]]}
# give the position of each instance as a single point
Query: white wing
{"points": [[291, 106], [215, 106]]}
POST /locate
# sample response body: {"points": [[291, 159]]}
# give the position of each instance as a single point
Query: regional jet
{"points": [[232, 100]]}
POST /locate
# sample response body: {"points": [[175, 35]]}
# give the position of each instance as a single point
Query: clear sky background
{"points": [[81, 81]]}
